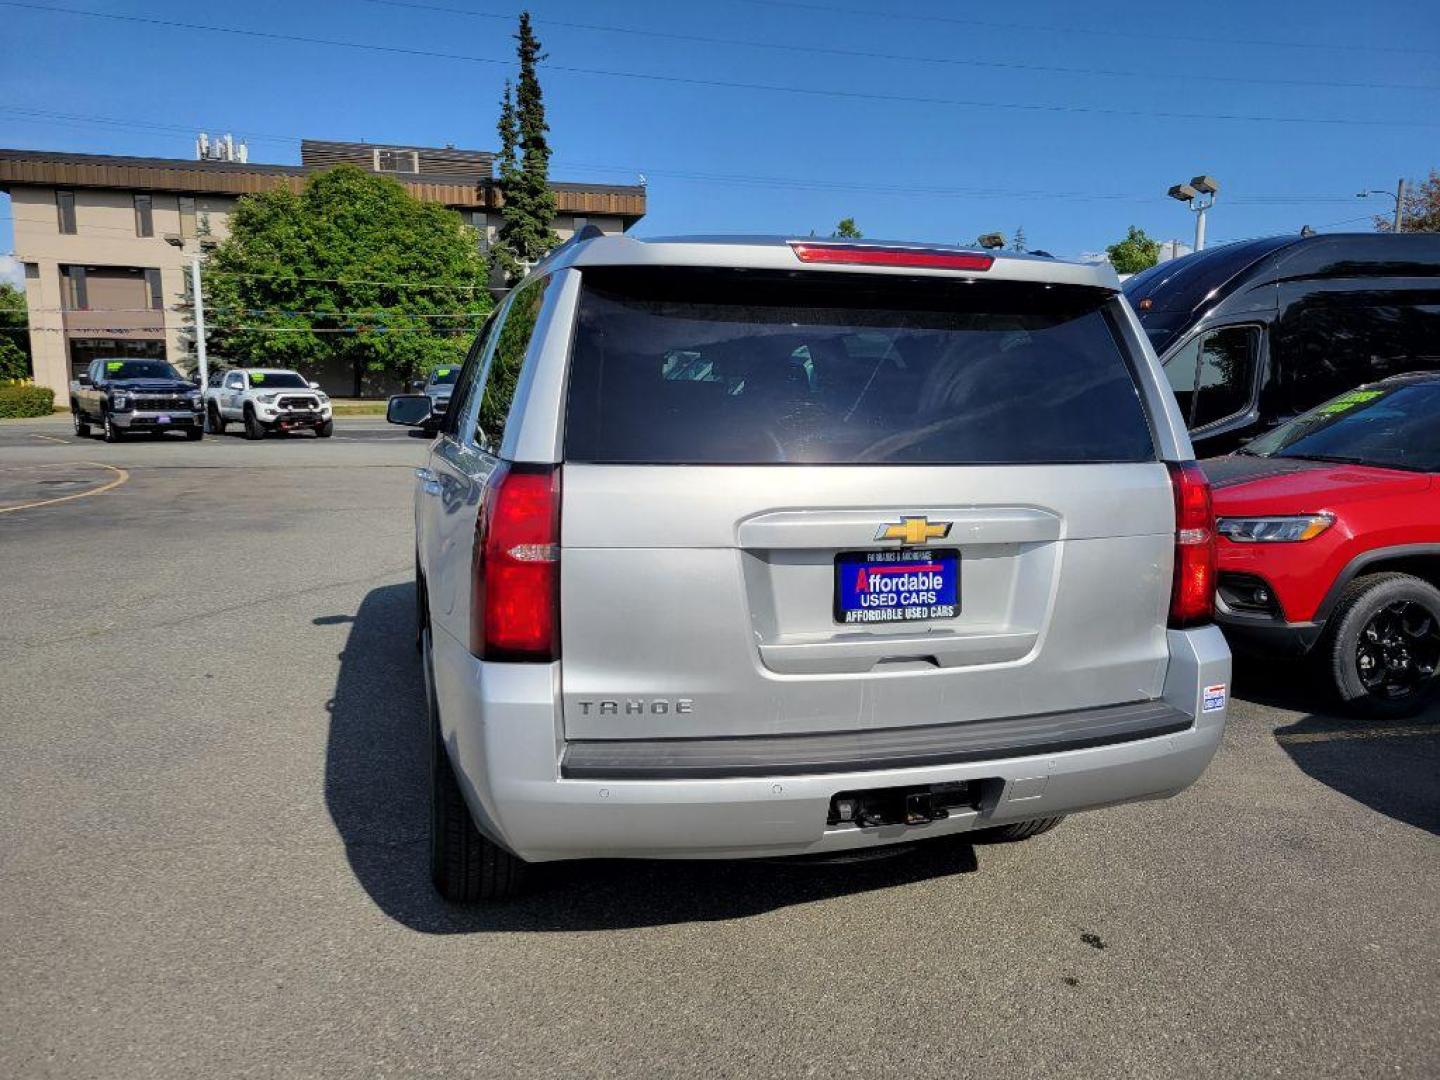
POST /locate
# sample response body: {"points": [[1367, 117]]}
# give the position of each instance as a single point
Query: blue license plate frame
{"points": [[899, 585]]}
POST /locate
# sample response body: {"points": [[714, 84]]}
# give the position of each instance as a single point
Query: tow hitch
{"points": [[902, 805]]}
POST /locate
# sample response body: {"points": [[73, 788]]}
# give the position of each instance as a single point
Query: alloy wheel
{"points": [[1398, 650]]}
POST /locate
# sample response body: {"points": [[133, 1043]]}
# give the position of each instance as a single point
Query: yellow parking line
{"points": [[120, 478], [52, 438], [1360, 733]]}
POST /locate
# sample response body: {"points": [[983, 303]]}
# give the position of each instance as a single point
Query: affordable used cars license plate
{"points": [[904, 585]]}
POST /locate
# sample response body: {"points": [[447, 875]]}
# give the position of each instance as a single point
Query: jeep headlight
{"points": [[120, 400], [324, 398], [1273, 530], [268, 399], [196, 402]]}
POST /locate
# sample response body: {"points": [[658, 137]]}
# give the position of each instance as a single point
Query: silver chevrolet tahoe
{"points": [[736, 547]]}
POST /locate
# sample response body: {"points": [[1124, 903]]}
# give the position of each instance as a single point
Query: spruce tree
{"points": [[502, 257], [529, 206]]}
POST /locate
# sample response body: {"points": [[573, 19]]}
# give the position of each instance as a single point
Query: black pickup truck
{"points": [[124, 397]]}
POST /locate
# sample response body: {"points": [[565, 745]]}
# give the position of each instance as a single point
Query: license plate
{"points": [[904, 585], [162, 419]]}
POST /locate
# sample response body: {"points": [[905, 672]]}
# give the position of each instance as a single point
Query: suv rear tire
{"points": [[1019, 830], [1383, 647], [254, 429], [465, 866]]}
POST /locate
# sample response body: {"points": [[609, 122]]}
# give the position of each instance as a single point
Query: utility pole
{"points": [[1400, 205], [199, 321]]}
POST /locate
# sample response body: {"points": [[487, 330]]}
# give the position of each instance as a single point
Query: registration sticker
{"points": [[114, 365], [442, 372], [256, 378], [1214, 698]]}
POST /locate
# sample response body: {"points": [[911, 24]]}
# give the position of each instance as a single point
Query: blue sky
{"points": [[947, 121]]}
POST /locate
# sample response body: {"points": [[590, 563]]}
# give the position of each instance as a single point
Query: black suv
{"points": [[127, 396], [1254, 333]]}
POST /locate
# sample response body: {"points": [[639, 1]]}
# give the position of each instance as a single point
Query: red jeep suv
{"points": [[1330, 542]]}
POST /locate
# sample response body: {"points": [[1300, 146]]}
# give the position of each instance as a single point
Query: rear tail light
{"points": [[915, 258], [515, 574], [1192, 595]]}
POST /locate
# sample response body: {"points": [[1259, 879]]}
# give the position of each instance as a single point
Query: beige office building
{"points": [[107, 241]]}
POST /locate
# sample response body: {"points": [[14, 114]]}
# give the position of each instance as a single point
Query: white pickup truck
{"points": [[265, 400]]}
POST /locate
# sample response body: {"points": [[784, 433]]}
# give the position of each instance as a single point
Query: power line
{"points": [[1032, 28], [728, 84], [791, 48]]}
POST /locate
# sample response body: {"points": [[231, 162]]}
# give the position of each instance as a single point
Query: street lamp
{"points": [[175, 240], [1194, 193], [1398, 195]]}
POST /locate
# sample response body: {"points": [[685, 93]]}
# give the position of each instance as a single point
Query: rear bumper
{"points": [[502, 727]]}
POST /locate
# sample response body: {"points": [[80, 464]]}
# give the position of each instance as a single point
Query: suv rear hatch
{"points": [[828, 501]]}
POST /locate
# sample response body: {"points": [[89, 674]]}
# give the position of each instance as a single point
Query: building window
{"points": [[152, 283], [187, 217], [481, 221], [75, 290], [65, 206], [403, 161], [144, 216]]}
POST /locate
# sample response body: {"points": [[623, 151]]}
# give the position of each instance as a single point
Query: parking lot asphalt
{"points": [[212, 812]]}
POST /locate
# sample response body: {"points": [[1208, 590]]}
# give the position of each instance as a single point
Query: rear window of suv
{"points": [[699, 366]]}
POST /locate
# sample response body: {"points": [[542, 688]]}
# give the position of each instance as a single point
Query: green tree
{"points": [[1422, 207], [848, 230], [502, 258], [1135, 253], [1017, 242], [14, 334], [352, 270], [528, 200]]}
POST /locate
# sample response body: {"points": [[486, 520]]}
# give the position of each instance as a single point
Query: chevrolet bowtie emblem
{"points": [[914, 530]]}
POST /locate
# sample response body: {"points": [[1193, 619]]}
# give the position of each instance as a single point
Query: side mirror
{"points": [[411, 410], [314, 385], [84, 379]]}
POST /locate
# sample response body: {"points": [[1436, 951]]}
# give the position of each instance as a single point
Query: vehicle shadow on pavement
{"points": [[1391, 766], [376, 792]]}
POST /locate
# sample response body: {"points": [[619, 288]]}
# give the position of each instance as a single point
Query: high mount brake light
{"points": [[1192, 594], [515, 571], [910, 258]]}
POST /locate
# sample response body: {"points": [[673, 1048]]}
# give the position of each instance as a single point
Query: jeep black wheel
{"points": [[1385, 647], [82, 429], [464, 865], [326, 429], [214, 422], [113, 434], [254, 429]]}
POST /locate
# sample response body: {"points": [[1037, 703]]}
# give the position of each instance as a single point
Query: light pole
{"points": [[1194, 193], [1398, 195], [202, 367]]}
